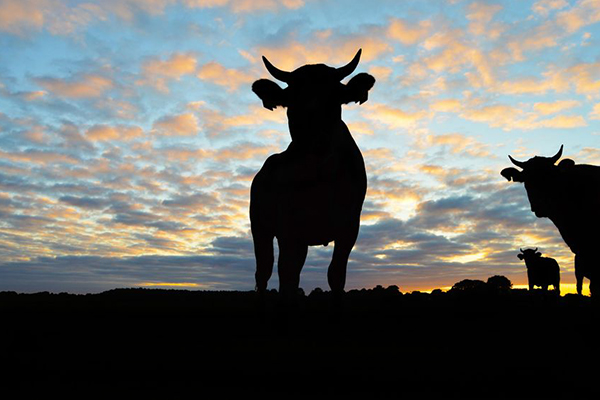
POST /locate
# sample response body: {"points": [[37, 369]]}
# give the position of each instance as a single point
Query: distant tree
{"points": [[467, 285], [499, 282], [392, 289]]}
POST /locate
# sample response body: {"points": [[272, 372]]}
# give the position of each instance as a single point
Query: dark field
{"points": [[479, 344]]}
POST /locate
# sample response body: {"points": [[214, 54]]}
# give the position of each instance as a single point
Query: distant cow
{"points": [[312, 193], [541, 271], [568, 194]]}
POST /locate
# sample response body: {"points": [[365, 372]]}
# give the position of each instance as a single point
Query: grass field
{"points": [[468, 344]]}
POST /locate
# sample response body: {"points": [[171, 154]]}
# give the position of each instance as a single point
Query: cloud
{"points": [[394, 118], [85, 202], [459, 144], [509, 117], [546, 108], [446, 105], [595, 114], [22, 17], [157, 73], [230, 78], [406, 32], [83, 86], [334, 50], [544, 7], [584, 13], [110, 133], [177, 125], [246, 6], [480, 16]]}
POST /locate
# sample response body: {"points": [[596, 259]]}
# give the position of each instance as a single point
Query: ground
{"points": [[478, 344]]}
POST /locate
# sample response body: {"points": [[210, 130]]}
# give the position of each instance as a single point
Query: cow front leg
{"points": [[263, 252], [292, 256], [336, 273]]}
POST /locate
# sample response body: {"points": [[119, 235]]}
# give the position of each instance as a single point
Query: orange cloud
{"points": [[244, 151], [332, 51], [19, 16], [544, 7], [508, 118], [157, 73], [246, 6], [218, 74], [585, 12], [407, 33], [480, 16], [459, 144], [87, 86], [177, 125], [562, 122], [595, 114], [38, 157], [554, 107], [105, 133], [395, 118], [446, 105]]}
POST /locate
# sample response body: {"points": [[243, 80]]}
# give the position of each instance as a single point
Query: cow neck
{"points": [[320, 140]]}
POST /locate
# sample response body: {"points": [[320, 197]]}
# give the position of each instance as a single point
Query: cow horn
{"points": [[283, 76], [557, 155], [536, 249], [519, 164], [349, 68], [521, 250]]}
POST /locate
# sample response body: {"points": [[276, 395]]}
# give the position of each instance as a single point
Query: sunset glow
{"points": [[129, 135]]}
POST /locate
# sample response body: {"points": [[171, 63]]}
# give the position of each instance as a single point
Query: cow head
{"points": [[314, 94], [529, 254], [541, 178]]}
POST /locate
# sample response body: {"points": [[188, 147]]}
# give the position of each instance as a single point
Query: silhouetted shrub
{"points": [[499, 283], [468, 285], [393, 290]]}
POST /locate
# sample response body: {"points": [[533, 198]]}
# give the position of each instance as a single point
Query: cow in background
{"points": [[312, 193], [569, 195], [541, 271]]}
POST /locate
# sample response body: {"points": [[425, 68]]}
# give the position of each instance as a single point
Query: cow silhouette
{"points": [[311, 193], [541, 271], [569, 195]]}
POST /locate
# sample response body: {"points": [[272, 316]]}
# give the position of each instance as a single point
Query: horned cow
{"points": [[311, 193], [541, 271], [569, 195]]}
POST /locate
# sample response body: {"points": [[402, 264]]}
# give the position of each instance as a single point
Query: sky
{"points": [[129, 135]]}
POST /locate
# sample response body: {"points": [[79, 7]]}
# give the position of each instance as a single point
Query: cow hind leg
{"points": [[579, 274]]}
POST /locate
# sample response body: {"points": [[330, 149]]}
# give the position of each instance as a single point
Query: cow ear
{"points": [[566, 163], [271, 94], [520, 256], [512, 173], [538, 254], [357, 90]]}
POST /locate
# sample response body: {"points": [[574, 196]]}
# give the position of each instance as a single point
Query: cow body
{"points": [[312, 193], [541, 271], [569, 195]]}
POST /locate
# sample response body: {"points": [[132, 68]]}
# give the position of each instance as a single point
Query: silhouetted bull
{"points": [[568, 194], [541, 271], [312, 193]]}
